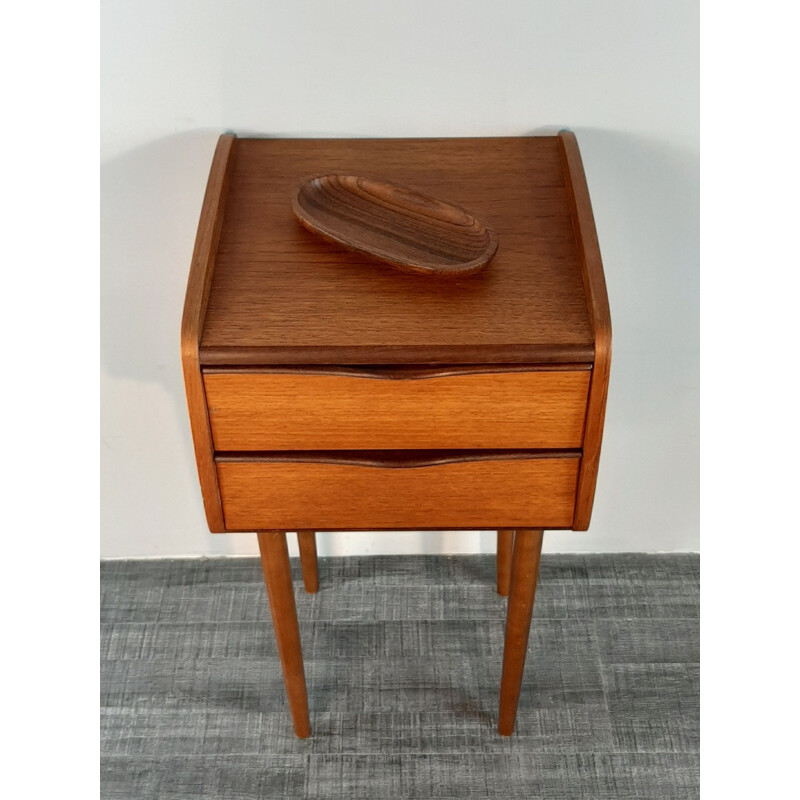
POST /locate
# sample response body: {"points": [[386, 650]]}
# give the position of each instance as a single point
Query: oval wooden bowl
{"points": [[399, 226]]}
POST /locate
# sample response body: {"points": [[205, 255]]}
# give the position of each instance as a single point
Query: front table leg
{"points": [[278, 577], [524, 572]]}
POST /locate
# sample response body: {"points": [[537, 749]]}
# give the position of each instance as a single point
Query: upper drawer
{"points": [[379, 409]]}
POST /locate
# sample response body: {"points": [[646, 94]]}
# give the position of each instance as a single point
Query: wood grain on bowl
{"points": [[397, 225]]}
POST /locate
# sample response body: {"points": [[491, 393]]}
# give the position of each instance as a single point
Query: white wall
{"points": [[623, 74]]}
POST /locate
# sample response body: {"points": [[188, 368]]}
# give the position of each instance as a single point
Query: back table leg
{"points": [[524, 573], [307, 540], [278, 577], [505, 544]]}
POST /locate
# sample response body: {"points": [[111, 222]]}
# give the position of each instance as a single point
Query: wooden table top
{"points": [[280, 295]]}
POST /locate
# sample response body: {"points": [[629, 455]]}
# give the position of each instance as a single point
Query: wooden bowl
{"points": [[395, 224]]}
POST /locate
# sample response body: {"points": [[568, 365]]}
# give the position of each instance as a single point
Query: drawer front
{"points": [[292, 411], [503, 492]]}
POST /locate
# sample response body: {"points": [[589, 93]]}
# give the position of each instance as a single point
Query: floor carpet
{"points": [[403, 659]]}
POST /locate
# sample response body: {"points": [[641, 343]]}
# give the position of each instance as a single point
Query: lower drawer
{"points": [[350, 492]]}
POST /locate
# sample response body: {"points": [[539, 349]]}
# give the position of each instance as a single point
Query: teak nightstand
{"points": [[329, 392]]}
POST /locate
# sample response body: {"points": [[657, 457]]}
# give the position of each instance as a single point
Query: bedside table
{"points": [[327, 391]]}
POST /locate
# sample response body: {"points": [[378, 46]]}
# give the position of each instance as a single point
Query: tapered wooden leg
{"points": [[308, 560], [278, 577], [524, 573], [505, 544]]}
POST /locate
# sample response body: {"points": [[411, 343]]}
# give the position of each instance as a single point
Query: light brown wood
{"points": [[282, 296], [524, 575], [465, 494], [505, 546], [307, 542], [487, 410], [597, 298], [278, 579], [197, 293], [394, 224]]}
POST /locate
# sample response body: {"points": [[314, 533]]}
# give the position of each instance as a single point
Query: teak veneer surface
{"points": [[280, 295], [264, 295], [194, 309], [595, 285], [268, 411], [483, 493]]}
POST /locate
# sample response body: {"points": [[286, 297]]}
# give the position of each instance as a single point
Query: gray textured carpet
{"points": [[403, 658]]}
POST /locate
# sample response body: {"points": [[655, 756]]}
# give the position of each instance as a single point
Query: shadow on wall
{"points": [[646, 197], [646, 201], [150, 200]]}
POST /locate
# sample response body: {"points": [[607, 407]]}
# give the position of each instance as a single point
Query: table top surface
{"points": [[280, 295]]}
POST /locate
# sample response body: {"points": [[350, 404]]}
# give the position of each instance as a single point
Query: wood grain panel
{"points": [[194, 309], [328, 412], [597, 295], [535, 492], [281, 295]]}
